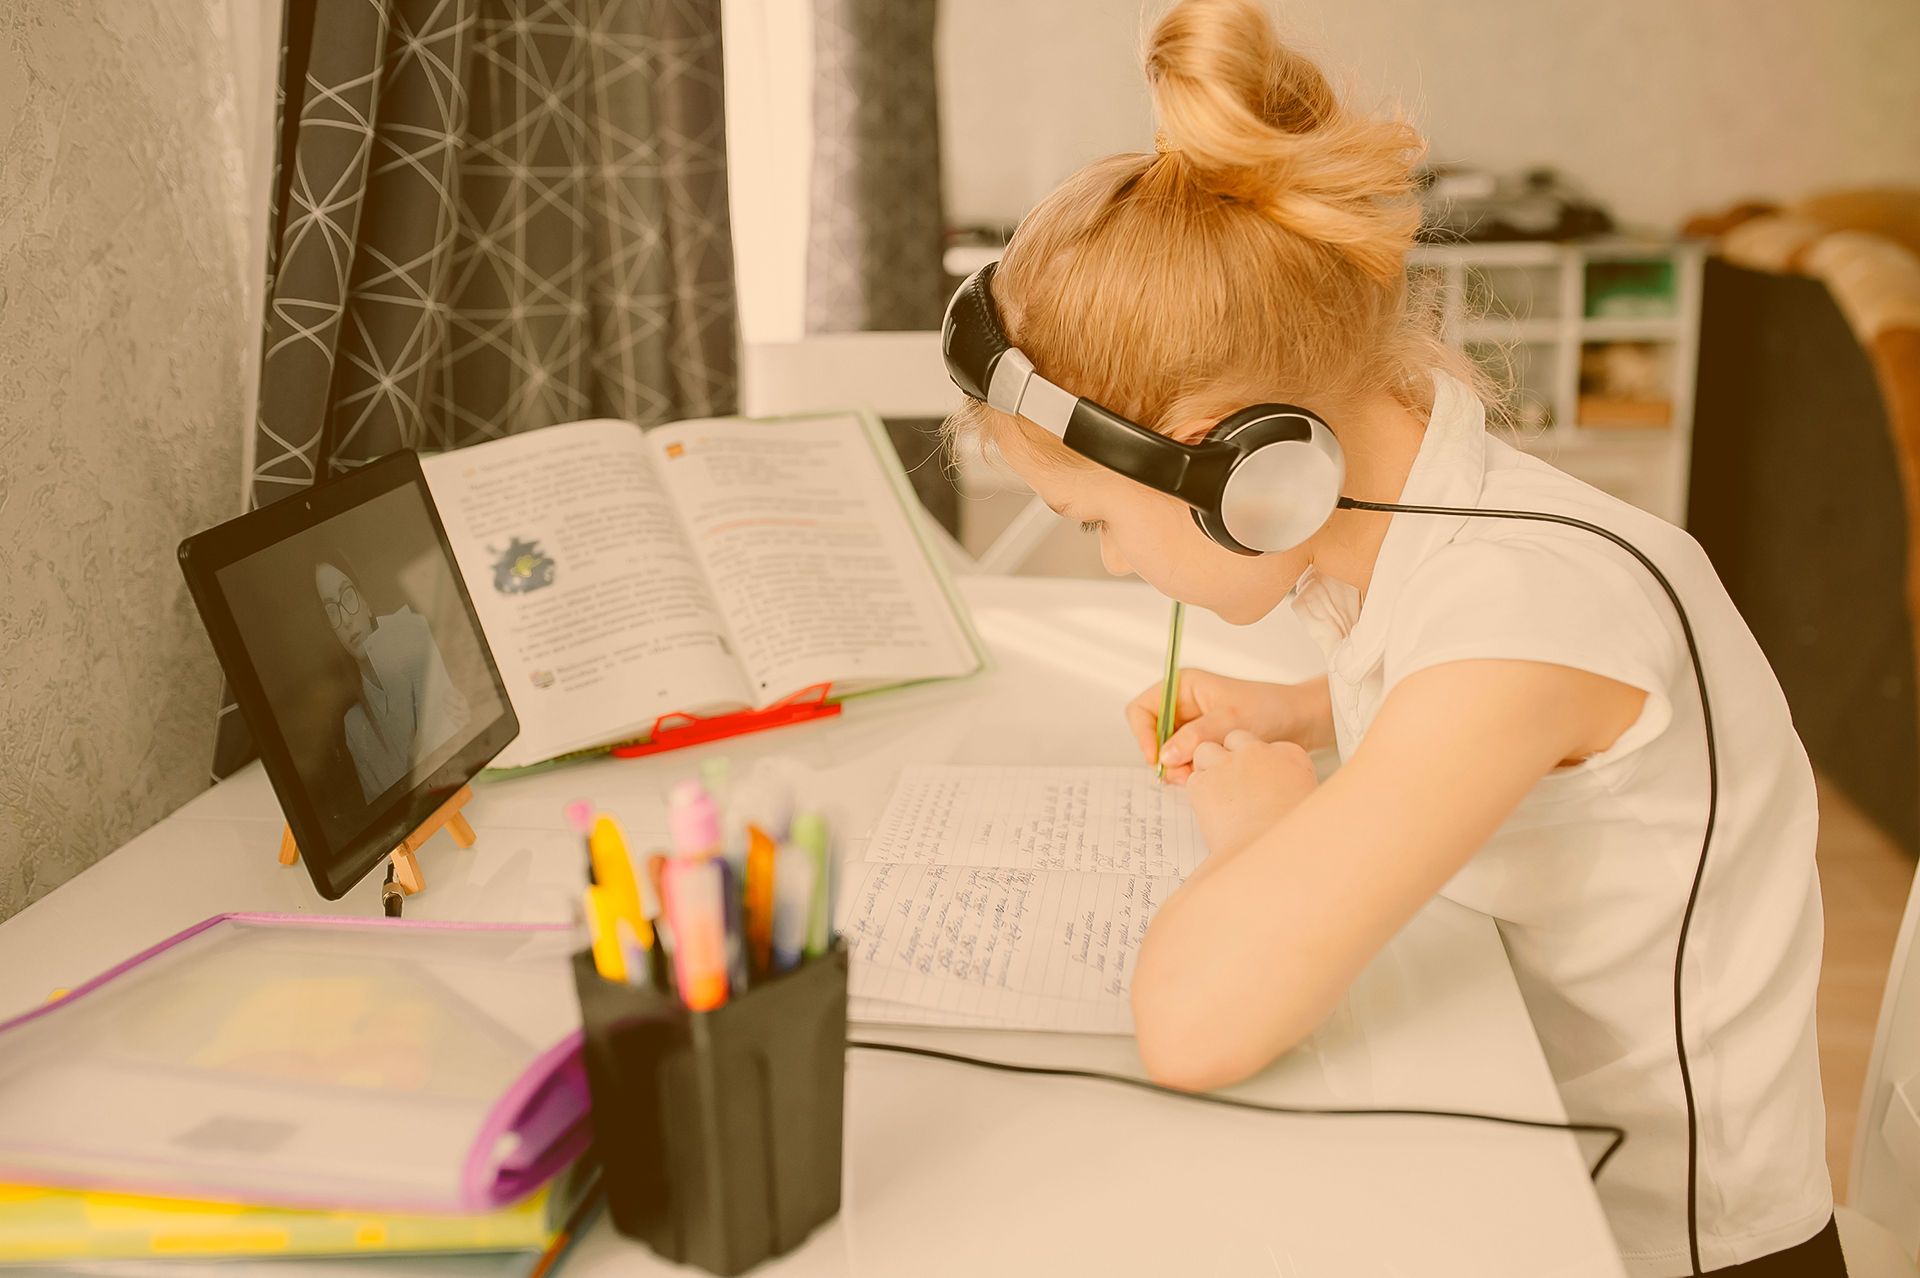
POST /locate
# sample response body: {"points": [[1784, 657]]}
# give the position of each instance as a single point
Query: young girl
{"points": [[1516, 714]]}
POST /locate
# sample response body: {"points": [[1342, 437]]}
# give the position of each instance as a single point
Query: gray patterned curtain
{"points": [[876, 233], [492, 215], [877, 224]]}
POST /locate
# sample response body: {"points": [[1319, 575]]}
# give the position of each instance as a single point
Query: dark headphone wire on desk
{"points": [[1618, 1134]]}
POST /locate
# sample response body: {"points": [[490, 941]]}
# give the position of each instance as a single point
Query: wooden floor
{"points": [[1864, 877]]}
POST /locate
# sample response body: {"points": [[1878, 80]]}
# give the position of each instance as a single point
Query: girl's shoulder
{"points": [[1544, 591], [1522, 483]]}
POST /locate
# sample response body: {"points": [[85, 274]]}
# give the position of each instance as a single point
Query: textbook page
{"points": [[810, 554], [1107, 819], [996, 948], [592, 601]]}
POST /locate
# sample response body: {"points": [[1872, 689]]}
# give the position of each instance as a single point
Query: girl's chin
{"points": [[1241, 613]]}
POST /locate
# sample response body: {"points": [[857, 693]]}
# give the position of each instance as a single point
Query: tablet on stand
{"points": [[359, 665]]}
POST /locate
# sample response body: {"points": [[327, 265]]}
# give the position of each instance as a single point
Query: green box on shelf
{"points": [[1630, 288]]}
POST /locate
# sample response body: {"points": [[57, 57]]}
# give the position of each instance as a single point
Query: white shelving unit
{"points": [[1522, 310]]}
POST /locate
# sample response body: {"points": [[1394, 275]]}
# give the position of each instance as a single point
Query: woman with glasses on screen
{"points": [[408, 706]]}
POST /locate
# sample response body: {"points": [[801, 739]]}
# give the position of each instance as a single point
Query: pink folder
{"points": [[307, 1062]]}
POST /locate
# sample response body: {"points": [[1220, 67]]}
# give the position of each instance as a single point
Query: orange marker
{"points": [[656, 872], [758, 898]]}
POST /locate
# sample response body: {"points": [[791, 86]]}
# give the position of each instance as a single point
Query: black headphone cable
{"points": [[1618, 1135], [1713, 806]]}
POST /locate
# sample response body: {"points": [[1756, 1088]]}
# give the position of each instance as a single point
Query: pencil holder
{"points": [[719, 1131]]}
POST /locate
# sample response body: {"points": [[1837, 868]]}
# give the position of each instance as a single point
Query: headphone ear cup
{"points": [[1210, 523], [1284, 485]]}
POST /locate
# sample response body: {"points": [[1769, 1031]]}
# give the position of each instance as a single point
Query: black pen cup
{"points": [[719, 1131]]}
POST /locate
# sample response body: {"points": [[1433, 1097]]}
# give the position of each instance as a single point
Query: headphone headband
{"points": [[1247, 506]]}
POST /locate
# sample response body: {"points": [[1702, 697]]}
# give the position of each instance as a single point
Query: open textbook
{"points": [[1013, 898], [697, 568]]}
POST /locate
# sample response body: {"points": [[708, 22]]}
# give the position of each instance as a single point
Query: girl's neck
{"points": [[1381, 439]]}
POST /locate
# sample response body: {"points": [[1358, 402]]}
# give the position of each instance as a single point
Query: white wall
{"points": [[1662, 107], [768, 47]]}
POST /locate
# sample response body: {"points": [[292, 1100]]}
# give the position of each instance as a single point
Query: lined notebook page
{"points": [[1029, 949], [1095, 820], [1013, 897]]}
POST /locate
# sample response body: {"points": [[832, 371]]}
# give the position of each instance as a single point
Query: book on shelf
{"points": [[630, 580]]}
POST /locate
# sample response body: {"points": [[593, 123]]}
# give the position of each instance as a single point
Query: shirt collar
{"points": [[1449, 470]]}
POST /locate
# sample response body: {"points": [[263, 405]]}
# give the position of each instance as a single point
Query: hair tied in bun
{"points": [[1257, 253], [1257, 121]]}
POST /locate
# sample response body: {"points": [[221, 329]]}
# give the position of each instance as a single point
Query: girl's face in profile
{"points": [[1154, 535], [347, 611]]}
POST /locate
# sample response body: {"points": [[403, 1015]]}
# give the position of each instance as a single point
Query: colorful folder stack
{"points": [[48, 1225], [261, 1088]]}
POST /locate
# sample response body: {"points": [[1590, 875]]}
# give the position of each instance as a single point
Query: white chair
{"points": [[895, 375], [1880, 1223]]}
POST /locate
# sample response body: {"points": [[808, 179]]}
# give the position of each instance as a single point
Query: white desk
{"points": [[951, 1170]]}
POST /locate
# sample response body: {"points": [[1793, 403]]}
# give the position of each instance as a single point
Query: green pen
{"points": [[1170, 686]]}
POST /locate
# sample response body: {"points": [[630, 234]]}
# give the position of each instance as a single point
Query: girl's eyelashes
{"points": [[1092, 525]]}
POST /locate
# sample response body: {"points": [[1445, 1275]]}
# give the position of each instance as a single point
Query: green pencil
{"points": [[1170, 686]]}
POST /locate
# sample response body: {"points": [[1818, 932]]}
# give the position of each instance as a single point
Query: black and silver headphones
{"points": [[1265, 478]]}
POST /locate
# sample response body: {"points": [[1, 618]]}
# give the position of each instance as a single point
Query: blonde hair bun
{"points": [[1258, 254], [1247, 118]]}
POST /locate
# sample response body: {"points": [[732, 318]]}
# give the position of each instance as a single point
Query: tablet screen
{"points": [[370, 664]]}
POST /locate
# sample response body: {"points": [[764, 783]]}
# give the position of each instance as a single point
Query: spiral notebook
{"points": [[1012, 898]]}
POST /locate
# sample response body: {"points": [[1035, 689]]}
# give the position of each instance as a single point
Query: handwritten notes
{"points": [[1092, 820], [1013, 897], [1033, 949]]}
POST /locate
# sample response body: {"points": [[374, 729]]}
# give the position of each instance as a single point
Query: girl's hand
{"points": [[1210, 706], [1242, 788]]}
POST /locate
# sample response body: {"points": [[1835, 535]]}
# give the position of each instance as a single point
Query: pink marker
{"points": [[695, 909], [580, 817], [693, 819]]}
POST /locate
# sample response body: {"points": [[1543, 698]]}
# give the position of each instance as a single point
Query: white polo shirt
{"points": [[1588, 878]]}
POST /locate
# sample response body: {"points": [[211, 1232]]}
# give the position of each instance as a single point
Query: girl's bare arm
{"points": [[1304, 885]]}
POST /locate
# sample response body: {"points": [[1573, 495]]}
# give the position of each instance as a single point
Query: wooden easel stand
{"points": [[406, 866]]}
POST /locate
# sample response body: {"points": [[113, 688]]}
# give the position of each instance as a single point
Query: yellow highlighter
{"points": [[621, 929], [613, 873], [603, 921]]}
